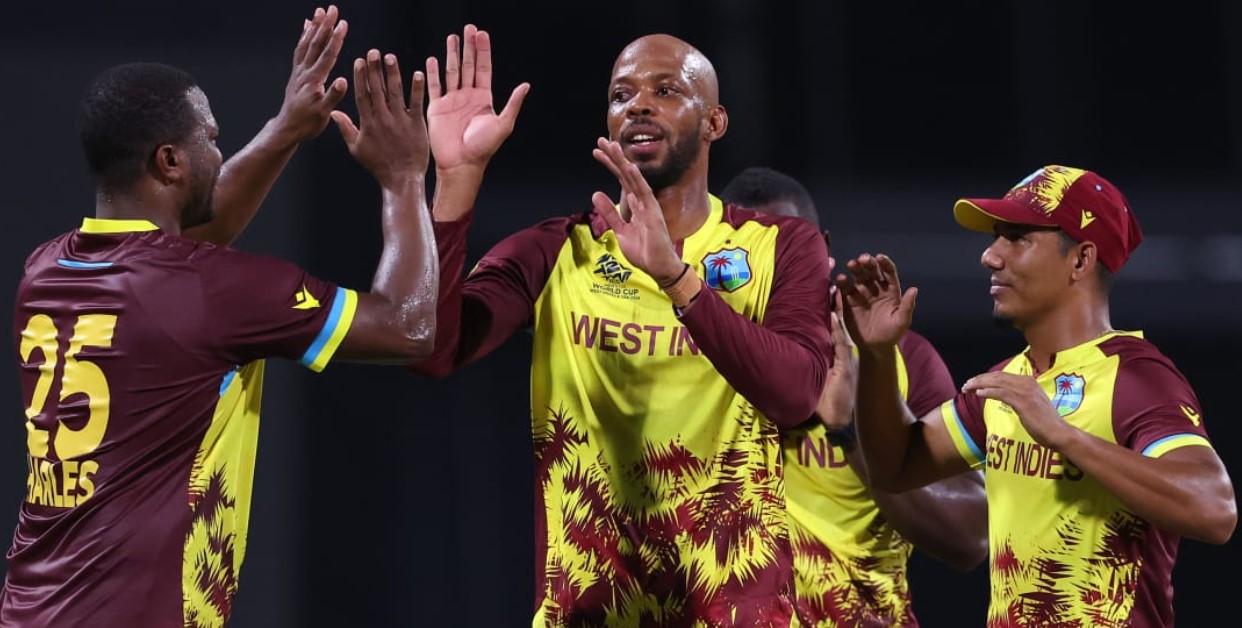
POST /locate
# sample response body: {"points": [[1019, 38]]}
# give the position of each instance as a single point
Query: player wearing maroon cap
{"points": [[141, 351], [1094, 445]]}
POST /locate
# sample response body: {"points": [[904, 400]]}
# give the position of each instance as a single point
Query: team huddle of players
{"points": [[725, 433]]}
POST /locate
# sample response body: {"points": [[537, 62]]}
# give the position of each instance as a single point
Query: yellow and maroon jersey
{"points": [[849, 562], [1064, 550], [657, 457], [140, 357]]}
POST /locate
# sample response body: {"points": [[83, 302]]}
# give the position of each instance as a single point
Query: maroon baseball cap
{"points": [[1082, 203]]}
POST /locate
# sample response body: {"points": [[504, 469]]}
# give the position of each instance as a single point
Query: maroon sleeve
{"points": [[968, 408], [260, 306], [497, 298], [780, 365], [931, 384], [1153, 401]]}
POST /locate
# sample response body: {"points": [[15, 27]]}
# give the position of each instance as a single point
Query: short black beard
{"points": [[680, 157]]}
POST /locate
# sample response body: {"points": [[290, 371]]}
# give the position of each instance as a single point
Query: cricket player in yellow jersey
{"points": [[852, 542], [1094, 445], [673, 334]]}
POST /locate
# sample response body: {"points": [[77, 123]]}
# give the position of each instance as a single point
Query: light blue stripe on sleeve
{"points": [[961, 428], [1168, 443], [329, 326], [228, 379]]}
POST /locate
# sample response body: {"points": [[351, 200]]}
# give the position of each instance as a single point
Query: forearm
{"points": [[407, 275], [456, 191], [948, 520], [245, 181], [776, 373], [1186, 491], [884, 422]]}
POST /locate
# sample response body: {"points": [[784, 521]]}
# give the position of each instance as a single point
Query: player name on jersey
{"points": [[61, 484]]}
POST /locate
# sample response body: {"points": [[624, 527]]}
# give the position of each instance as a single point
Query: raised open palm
{"points": [[877, 312], [464, 128]]}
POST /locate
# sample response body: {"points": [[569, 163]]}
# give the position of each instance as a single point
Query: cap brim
{"points": [[982, 214]]}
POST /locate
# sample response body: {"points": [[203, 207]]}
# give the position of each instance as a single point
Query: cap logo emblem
{"points": [[1088, 217]]}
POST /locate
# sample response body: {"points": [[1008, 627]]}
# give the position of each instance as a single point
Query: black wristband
{"points": [[845, 438]]}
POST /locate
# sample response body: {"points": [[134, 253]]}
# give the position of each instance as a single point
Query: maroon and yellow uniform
{"points": [[657, 457], [140, 357], [850, 563], [1064, 550]]}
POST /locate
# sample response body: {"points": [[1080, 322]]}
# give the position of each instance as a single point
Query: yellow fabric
{"points": [[1057, 536], [219, 497], [636, 428], [108, 225], [850, 563]]}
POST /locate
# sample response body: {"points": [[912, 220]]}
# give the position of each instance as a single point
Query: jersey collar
{"points": [[108, 225], [1081, 354]]}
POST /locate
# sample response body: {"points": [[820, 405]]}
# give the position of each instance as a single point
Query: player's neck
{"points": [[138, 206], [686, 207], [1063, 330]]}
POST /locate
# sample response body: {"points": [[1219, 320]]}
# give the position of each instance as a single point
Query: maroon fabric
{"points": [[931, 384], [780, 365], [474, 317], [187, 314]]}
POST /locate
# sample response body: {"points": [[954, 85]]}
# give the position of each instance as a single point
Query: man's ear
{"points": [[717, 123], [169, 164], [1086, 257]]}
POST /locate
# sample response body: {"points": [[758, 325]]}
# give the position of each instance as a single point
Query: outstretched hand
{"points": [[309, 98], [464, 127], [643, 237], [877, 312], [390, 139]]}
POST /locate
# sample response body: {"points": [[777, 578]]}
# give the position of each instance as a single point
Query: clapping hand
{"points": [[877, 312], [643, 237]]}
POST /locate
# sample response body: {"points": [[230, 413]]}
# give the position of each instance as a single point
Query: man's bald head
{"points": [[675, 55]]}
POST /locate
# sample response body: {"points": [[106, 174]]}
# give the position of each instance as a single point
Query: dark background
{"points": [[382, 499]]}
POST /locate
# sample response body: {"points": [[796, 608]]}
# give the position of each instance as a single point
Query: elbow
{"points": [[420, 342], [1222, 521], [423, 342], [974, 555], [790, 411], [414, 339]]}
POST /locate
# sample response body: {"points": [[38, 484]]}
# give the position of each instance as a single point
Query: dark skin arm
{"points": [[946, 519], [395, 322], [247, 177]]}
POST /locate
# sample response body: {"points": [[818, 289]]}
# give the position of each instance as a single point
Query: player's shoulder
{"points": [[45, 250], [1130, 346], [915, 345], [559, 225], [1138, 357], [738, 216], [913, 341]]}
